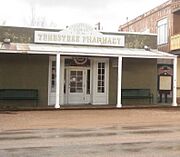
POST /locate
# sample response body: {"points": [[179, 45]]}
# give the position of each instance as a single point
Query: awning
{"points": [[84, 50]]}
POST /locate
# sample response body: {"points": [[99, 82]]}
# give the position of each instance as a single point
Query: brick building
{"points": [[163, 20]]}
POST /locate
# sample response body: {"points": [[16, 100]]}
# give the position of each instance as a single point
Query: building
{"points": [[164, 20], [78, 65]]}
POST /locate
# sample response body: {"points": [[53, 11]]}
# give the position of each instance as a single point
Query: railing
{"points": [[175, 42]]}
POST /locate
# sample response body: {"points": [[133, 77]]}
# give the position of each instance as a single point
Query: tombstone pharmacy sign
{"points": [[79, 34]]}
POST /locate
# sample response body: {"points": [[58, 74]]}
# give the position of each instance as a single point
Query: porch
{"points": [[129, 70]]}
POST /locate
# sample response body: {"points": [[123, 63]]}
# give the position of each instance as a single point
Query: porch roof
{"points": [[84, 50]]}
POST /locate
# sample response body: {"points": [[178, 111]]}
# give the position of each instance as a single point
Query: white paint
{"points": [[61, 81], [51, 94], [51, 91], [119, 102], [57, 80], [174, 82], [81, 98], [77, 97], [100, 98]]}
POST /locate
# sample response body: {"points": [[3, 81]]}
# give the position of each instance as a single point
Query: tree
{"points": [[2, 22], [39, 21]]}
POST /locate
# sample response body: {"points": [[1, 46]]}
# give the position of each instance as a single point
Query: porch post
{"points": [[119, 102], [58, 57], [174, 82]]}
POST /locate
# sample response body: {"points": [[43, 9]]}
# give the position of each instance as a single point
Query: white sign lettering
{"points": [[70, 36], [56, 38]]}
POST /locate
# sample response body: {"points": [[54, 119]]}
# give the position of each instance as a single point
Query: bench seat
{"points": [[137, 94], [19, 94]]}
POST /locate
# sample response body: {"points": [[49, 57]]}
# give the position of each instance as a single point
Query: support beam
{"points": [[58, 57], [119, 102], [174, 82]]}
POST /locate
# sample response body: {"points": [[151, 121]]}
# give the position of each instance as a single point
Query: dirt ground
{"points": [[11, 120], [91, 133]]}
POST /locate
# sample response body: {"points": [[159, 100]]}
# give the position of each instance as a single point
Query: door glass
{"points": [[64, 80], [88, 82], [76, 81]]}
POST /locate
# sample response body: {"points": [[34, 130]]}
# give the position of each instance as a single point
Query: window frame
{"points": [[162, 31]]}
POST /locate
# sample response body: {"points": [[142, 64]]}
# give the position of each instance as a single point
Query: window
{"points": [[101, 77], [88, 82], [76, 81], [53, 76], [162, 31]]}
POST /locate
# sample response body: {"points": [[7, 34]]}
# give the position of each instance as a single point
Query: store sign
{"points": [[79, 34]]}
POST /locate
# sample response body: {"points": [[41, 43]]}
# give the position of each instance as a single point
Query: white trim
{"points": [[174, 82], [62, 81], [49, 80], [124, 33], [107, 82], [91, 51], [78, 98], [119, 102], [96, 97], [70, 37], [57, 80]]}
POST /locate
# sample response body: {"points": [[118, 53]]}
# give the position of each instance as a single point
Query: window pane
{"points": [[79, 73], [76, 81], [64, 80], [103, 65], [162, 31], [79, 85], [103, 71], [72, 90], [99, 65], [88, 82], [101, 77], [53, 76]]}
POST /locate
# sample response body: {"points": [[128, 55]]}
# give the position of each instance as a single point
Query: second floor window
{"points": [[162, 27]]}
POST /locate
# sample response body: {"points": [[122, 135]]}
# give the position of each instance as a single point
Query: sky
{"points": [[62, 13]]}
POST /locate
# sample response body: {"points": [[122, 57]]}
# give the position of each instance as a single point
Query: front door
{"points": [[76, 81]]}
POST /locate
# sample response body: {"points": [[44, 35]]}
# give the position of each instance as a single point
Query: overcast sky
{"points": [[110, 13]]}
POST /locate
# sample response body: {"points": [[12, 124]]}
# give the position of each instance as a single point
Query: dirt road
{"points": [[87, 118], [91, 133]]}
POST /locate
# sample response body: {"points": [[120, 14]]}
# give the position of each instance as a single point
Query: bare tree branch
{"points": [[2, 22], [39, 21]]}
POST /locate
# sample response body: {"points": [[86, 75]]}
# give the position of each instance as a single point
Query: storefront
{"points": [[80, 65]]}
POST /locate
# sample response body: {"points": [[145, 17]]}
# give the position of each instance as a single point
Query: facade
{"points": [[164, 20], [78, 65]]}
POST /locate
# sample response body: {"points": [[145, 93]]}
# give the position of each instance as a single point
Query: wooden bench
{"points": [[19, 94], [137, 94]]}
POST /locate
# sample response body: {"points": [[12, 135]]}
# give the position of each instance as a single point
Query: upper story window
{"points": [[162, 31]]}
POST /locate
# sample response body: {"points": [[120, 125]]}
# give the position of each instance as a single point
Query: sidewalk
{"points": [[89, 107]]}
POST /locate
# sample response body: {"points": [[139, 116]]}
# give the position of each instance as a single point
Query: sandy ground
{"points": [[91, 133], [87, 118]]}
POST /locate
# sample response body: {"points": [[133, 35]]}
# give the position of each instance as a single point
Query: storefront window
{"points": [[53, 76], [88, 81], [101, 77]]}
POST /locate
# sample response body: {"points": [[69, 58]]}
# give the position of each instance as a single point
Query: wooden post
{"points": [[119, 102], [58, 57], [174, 82]]}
